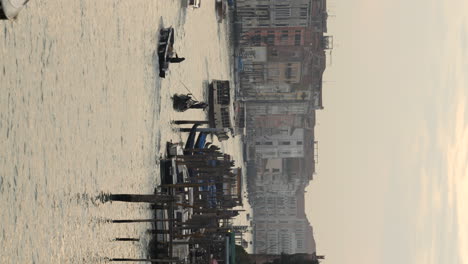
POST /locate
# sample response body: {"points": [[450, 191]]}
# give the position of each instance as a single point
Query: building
{"points": [[279, 107], [274, 36], [278, 120], [282, 142], [281, 61], [276, 232], [268, 258]]}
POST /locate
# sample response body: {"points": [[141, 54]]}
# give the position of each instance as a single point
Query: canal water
{"points": [[83, 111]]}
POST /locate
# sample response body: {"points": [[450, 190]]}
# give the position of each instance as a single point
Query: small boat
{"points": [[165, 46], [9, 9], [194, 3], [220, 7]]}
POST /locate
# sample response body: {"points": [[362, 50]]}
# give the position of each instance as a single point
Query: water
{"points": [[82, 111]]}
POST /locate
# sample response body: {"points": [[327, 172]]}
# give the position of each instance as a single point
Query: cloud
{"points": [[457, 171], [442, 214]]}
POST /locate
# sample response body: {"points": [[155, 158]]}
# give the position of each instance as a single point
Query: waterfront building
{"points": [[266, 13], [298, 107], [283, 230], [293, 258], [281, 60], [275, 36], [284, 142]]}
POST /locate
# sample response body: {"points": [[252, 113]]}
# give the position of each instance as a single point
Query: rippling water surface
{"points": [[82, 111]]}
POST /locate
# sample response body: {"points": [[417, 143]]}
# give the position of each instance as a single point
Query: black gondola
{"points": [[165, 47]]}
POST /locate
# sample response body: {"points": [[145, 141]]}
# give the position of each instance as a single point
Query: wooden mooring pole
{"points": [[207, 130], [141, 198], [184, 122], [127, 239], [141, 220], [170, 260]]}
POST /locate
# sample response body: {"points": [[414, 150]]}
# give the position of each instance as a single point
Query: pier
{"points": [[193, 207]]}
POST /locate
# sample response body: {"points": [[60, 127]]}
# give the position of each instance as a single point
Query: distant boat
{"points": [[9, 9], [220, 7], [194, 3]]}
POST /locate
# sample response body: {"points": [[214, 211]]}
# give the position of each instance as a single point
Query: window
{"points": [[299, 143], [285, 143], [276, 170], [299, 244], [284, 38], [270, 39], [297, 40], [256, 40], [288, 73], [283, 11]]}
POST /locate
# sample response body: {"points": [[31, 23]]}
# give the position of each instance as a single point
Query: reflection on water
{"points": [[83, 114]]}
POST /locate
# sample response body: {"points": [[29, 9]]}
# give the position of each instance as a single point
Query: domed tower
{"points": [[9, 9]]}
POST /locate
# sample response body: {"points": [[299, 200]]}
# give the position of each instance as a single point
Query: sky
{"points": [[391, 181]]}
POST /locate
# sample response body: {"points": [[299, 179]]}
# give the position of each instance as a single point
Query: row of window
{"points": [[281, 143]]}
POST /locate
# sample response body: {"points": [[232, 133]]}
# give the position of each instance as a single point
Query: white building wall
{"points": [[281, 145], [286, 235]]}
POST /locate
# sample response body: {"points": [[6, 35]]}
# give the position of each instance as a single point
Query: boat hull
{"points": [[9, 9], [166, 41]]}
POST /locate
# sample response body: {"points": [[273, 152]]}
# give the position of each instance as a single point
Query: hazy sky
{"points": [[392, 182]]}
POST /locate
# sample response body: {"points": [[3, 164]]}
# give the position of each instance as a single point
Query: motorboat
{"points": [[194, 3], [9, 9]]}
